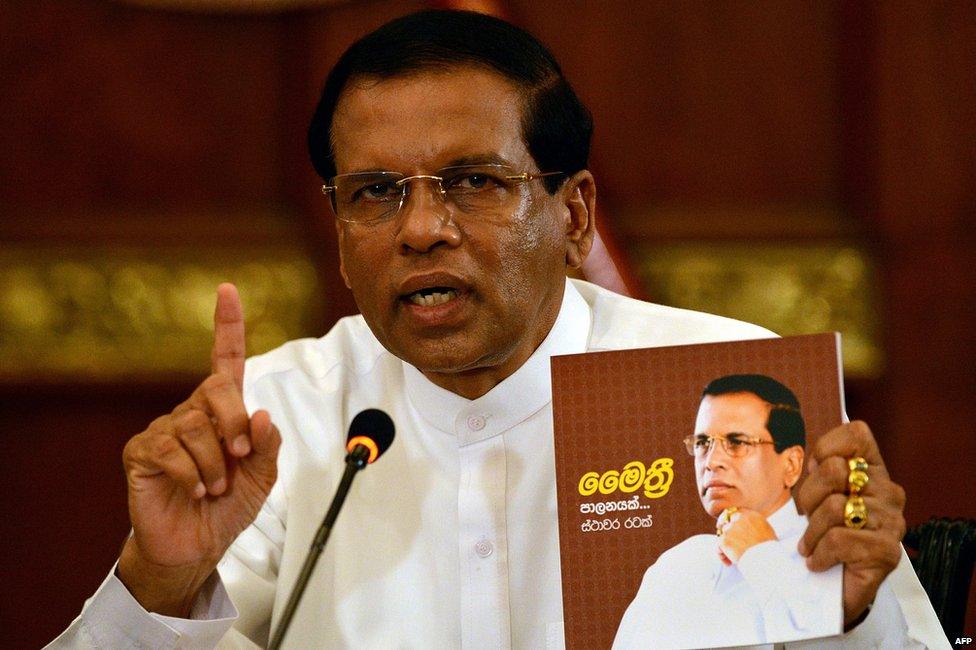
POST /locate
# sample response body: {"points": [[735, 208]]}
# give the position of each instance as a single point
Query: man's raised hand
{"points": [[197, 477]]}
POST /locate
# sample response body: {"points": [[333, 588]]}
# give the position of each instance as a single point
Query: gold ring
{"points": [[855, 512], [856, 481], [724, 519], [858, 476]]}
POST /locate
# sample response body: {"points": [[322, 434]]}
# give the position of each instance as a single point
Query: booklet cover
{"points": [[675, 469]]}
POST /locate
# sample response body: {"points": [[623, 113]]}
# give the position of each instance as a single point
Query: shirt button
{"points": [[476, 422], [484, 548]]}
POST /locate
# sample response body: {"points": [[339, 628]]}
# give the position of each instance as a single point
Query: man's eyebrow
{"points": [[367, 170], [479, 159], [473, 159], [724, 435]]}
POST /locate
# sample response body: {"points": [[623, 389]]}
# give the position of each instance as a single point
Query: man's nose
{"points": [[425, 219], [716, 455]]}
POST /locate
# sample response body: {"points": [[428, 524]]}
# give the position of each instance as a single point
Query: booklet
{"points": [[675, 470]]}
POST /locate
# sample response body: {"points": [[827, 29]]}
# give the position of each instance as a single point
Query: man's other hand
{"points": [[870, 553], [197, 477], [745, 529]]}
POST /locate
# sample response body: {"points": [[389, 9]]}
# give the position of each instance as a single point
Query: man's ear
{"points": [[340, 235], [579, 196], [793, 457]]}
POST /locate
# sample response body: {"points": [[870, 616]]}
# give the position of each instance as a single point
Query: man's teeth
{"points": [[433, 298]]}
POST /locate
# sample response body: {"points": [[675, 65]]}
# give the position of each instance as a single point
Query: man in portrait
{"points": [[747, 584]]}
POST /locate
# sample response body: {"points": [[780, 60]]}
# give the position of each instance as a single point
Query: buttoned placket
{"points": [[482, 534], [480, 427]]}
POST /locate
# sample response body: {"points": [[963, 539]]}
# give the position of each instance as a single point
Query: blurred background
{"points": [[809, 166]]}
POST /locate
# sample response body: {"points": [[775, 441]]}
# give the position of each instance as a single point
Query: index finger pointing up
{"points": [[228, 350]]}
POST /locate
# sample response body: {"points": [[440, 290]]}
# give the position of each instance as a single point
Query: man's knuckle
{"points": [[892, 555], [898, 496], [192, 435], [158, 421], [216, 382], [834, 537], [189, 419], [835, 504], [164, 446], [835, 466], [834, 473], [900, 529], [133, 448], [861, 431]]}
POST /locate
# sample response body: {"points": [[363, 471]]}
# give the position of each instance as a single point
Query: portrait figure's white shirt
{"points": [[690, 599]]}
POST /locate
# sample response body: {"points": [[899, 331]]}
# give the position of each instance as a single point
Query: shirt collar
{"points": [[785, 520], [516, 398]]}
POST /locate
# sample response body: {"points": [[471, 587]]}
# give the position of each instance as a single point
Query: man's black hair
{"points": [[785, 422], [556, 127]]}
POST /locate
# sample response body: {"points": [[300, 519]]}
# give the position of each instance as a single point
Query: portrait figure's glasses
{"points": [[369, 197], [735, 445]]}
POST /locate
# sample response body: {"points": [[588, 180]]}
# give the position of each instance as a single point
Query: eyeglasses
{"points": [[370, 197], [735, 445]]}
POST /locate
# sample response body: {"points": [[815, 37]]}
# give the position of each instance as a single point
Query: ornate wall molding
{"points": [[790, 288], [104, 313]]}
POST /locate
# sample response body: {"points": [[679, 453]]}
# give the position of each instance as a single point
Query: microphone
{"points": [[370, 434]]}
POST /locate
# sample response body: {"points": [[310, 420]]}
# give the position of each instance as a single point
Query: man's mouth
{"points": [[433, 296], [434, 289], [715, 485]]}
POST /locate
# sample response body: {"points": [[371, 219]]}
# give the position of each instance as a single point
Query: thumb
{"points": [[265, 441]]}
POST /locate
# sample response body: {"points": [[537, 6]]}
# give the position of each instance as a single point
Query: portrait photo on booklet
{"points": [[676, 469]]}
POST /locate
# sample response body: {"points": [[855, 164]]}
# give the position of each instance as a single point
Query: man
{"points": [[454, 154], [751, 581]]}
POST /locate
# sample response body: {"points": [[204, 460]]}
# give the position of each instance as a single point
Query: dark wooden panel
{"points": [[926, 192], [703, 102], [109, 103], [63, 510]]}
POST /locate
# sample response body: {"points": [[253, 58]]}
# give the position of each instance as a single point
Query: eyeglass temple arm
{"points": [[528, 176]]}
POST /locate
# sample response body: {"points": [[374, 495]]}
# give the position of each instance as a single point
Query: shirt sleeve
{"points": [[795, 602], [112, 618], [901, 617]]}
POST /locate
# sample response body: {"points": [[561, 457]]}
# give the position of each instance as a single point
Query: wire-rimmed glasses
{"points": [[370, 197], [735, 445]]}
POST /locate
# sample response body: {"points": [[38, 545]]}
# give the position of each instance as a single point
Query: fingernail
{"points": [[242, 446], [802, 548], [218, 486], [812, 465], [199, 490]]}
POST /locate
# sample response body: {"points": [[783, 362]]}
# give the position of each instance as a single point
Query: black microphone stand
{"points": [[355, 461]]}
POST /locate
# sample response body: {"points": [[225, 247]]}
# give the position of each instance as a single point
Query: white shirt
{"points": [[689, 598], [450, 539]]}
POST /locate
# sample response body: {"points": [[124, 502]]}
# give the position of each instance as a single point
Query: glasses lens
{"points": [[698, 445], [736, 445], [478, 187], [366, 197]]}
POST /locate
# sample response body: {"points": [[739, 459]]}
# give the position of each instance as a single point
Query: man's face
{"points": [[505, 270], [760, 479]]}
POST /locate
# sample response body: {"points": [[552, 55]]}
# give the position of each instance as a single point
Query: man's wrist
{"points": [[170, 591], [858, 620]]}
